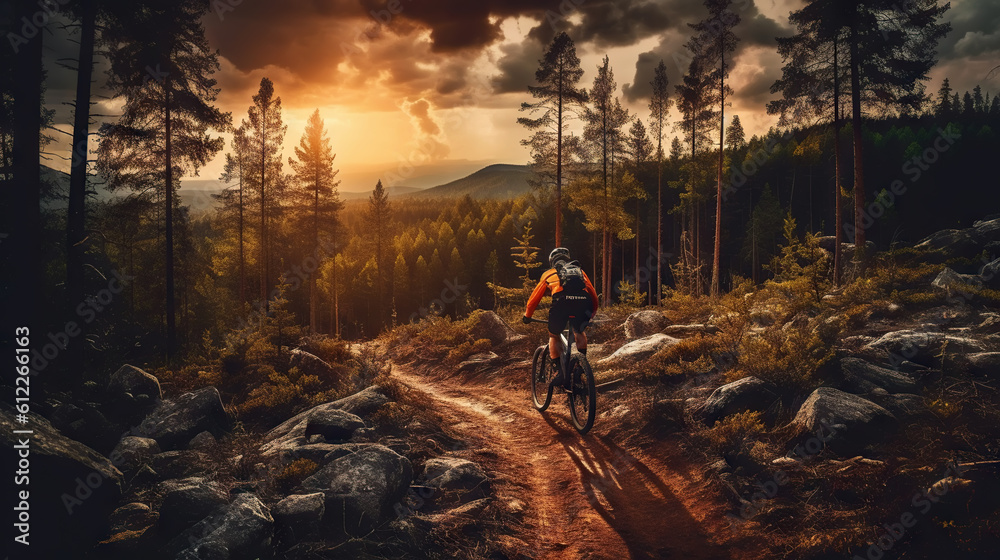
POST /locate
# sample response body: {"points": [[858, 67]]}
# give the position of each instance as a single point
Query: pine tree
{"points": [[558, 99], [944, 108], [235, 200], [735, 137], [604, 120], [812, 82], [402, 287], [659, 107], [266, 134], [317, 195], [978, 103], [165, 123], [638, 149], [377, 217], [715, 45]]}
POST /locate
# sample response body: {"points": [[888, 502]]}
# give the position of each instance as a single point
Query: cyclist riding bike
{"points": [[573, 299]]}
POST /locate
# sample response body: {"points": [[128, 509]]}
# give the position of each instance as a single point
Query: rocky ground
{"points": [[864, 424]]}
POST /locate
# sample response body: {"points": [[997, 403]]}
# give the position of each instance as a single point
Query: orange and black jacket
{"points": [[550, 283]]}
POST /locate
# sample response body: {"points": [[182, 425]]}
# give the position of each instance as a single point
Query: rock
{"points": [[360, 489], [282, 441], [203, 440], [489, 325], [989, 275], [132, 517], [848, 421], [860, 376], [187, 501], [241, 529], [461, 476], [309, 364], [902, 405], [179, 464], [73, 488], [639, 349], [86, 424], [983, 363], [476, 361], [333, 424], [130, 379], [921, 346], [363, 403], [954, 242], [300, 514], [176, 421], [987, 231], [948, 279], [132, 452], [749, 393], [686, 331], [644, 323]]}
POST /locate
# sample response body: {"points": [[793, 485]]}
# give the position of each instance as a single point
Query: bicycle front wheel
{"points": [[541, 391], [583, 397]]}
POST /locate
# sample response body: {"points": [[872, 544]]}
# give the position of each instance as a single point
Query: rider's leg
{"points": [[581, 342], [554, 346]]}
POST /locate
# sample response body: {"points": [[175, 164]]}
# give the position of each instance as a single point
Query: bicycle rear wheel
{"points": [[541, 391], [583, 397]]}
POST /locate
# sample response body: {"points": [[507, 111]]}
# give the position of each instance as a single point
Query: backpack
{"points": [[571, 278]]}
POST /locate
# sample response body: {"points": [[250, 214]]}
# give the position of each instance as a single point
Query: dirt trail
{"points": [[586, 497]]}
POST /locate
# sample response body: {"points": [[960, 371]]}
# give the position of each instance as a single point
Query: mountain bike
{"points": [[582, 393]]}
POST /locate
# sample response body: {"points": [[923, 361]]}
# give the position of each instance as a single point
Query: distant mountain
{"points": [[391, 191], [497, 181]]}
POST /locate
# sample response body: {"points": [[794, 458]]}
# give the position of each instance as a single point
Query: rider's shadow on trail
{"points": [[634, 500]]}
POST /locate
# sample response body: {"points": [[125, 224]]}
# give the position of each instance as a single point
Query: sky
{"points": [[418, 91]]}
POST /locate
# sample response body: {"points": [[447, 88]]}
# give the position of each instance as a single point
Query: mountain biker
{"points": [[576, 302]]}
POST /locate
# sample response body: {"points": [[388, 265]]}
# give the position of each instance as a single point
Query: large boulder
{"points": [[644, 323], [921, 346], [639, 349], [176, 421], [186, 502], [860, 376], [73, 489], [300, 514], [132, 452], [334, 425], [242, 529], [284, 441], [179, 464], [489, 325], [989, 275], [987, 231], [954, 242], [749, 393], [360, 489], [310, 364], [984, 363], [130, 379], [948, 279], [903, 406], [455, 475], [848, 422]]}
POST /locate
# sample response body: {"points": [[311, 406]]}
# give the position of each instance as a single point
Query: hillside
{"points": [[498, 181], [393, 192]]}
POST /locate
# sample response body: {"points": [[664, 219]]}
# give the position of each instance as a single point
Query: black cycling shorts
{"points": [[565, 309]]}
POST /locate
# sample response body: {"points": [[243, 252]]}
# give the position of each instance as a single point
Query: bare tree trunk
{"points": [[839, 219], [718, 197], [169, 231], [859, 165]]}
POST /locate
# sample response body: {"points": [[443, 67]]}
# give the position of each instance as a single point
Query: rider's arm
{"points": [[593, 293], [536, 295]]}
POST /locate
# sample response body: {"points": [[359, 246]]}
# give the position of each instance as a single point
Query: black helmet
{"points": [[559, 254]]}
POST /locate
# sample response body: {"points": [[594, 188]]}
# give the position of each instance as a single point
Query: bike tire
{"points": [[583, 397], [541, 391]]}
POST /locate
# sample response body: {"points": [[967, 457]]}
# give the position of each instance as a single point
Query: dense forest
{"points": [[624, 191]]}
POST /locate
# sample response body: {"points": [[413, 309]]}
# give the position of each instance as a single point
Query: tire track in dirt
{"points": [[587, 496]]}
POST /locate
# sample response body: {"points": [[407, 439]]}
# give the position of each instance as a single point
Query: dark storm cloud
{"points": [[754, 30], [974, 30]]}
